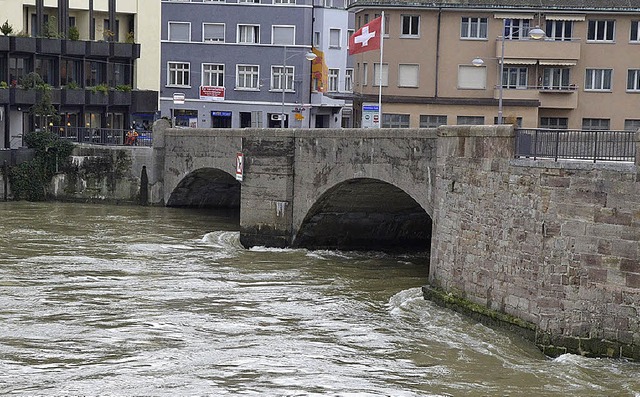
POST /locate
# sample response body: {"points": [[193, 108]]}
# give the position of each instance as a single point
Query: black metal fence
{"points": [[103, 136], [576, 144]]}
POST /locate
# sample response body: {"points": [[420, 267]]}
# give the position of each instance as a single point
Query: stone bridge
{"points": [[551, 249]]}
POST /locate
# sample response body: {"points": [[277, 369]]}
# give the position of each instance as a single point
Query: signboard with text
{"points": [[210, 93], [370, 116]]}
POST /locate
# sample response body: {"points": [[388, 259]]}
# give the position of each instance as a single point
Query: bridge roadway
{"points": [[549, 248]]}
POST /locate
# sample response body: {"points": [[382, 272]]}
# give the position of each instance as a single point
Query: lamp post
{"points": [[309, 56], [535, 33]]}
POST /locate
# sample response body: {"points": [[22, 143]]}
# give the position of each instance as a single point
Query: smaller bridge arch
{"points": [[206, 188], [367, 214]]}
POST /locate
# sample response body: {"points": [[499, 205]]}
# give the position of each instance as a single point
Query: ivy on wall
{"points": [[30, 179]]}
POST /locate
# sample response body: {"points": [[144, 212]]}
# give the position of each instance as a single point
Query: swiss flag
{"points": [[367, 38]]}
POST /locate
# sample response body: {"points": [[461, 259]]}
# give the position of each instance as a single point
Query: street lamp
{"points": [[535, 33], [310, 56]]}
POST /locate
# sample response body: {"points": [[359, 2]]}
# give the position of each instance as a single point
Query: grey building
{"points": [[234, 63]]}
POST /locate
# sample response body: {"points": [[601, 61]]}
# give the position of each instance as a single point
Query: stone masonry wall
{"points": [[556, 244]]}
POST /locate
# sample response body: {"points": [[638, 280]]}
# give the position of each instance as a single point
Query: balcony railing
{"points": [[602, 145], [102, 136]]}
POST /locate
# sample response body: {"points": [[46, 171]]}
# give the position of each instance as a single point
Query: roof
{"points": [[541, 5]]}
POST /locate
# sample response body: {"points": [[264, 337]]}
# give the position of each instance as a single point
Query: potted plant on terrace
{"points": [[120, 95], [4, 92], [72, 94], [6, 30], [97, 95], [49, 41], [73, 46]]}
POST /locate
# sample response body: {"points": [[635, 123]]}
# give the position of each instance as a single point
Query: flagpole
{"points": [[380, 72]]}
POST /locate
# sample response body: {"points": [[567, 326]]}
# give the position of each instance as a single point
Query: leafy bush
{"points": [[74, 33], [123, 87], [6, 29], [29, 180]]}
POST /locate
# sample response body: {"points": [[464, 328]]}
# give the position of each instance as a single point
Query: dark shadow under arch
{"points": [[206, 188], [366, 214]]}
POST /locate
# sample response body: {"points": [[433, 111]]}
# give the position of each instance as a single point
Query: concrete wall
{"points": [[109, 174], [556, 244]]}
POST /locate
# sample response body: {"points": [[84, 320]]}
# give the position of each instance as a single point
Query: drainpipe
{"points": [[437, 51]]}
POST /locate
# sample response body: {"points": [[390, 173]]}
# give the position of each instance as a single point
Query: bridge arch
{"points": [[367, 214], [206, 188]]}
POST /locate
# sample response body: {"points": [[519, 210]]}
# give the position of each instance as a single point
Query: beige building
{"points": [[442, 64]]}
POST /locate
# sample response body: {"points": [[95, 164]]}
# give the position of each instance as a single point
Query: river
{"points": [[117, 300]]}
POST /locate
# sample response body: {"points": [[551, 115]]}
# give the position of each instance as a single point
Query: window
{"points": [[472, 77], [119, 74], [213, 74], [316, 39], [280, 79], [473, 28], [283, 35], [376, 74], [432, 121], [509, 120], [516, 29], [249, 1], [386, 23], [555, 78], [408, 75], [395, 120], [179, 31], [554, 123], [284, 1], [94, 73], [595, 124], [559, 30], [635, 31], [470, 120], [178, 74], [598, 79], [212, 32], [410, 25], [365, 73], [601, 30], [631, 125], [334, 38], [514, 77], [248, 34], [633, 80], [70, 71], [348, 80], [334, 78], [247, 77]]}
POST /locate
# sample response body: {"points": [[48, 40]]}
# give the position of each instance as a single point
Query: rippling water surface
{"points": [[106, 300]]}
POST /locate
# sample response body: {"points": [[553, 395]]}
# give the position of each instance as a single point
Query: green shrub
{"points": [[6, 29], [74, 33]]}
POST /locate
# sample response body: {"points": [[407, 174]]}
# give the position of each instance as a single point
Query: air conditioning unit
{"points": [[276, 117]]}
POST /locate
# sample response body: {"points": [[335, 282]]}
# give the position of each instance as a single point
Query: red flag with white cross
{"points": [[367, 38]]}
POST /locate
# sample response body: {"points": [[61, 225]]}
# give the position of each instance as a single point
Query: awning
{"points": [[519, 61], [564, 17], [558, 62], [513, 16]]}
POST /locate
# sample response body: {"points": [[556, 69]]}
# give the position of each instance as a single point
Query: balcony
{"points": [[4, 96], [98, 49], [22, 44], [119, 98], [4, 43], [72, 97], [143, 101], [565, 97], [125, 50], [22, 97], [539, 49], [96, 98], [74, 47], [49, 46]]}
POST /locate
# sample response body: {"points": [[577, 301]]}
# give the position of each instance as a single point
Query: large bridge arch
{"points": [[206, 188], [367, 214]]}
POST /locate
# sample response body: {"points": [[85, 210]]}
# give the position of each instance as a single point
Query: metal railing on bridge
{"points": [[102, 136], [601, 145]]}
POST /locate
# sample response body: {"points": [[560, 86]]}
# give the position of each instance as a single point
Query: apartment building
{"points": [[466, 62], [248, 63], [76, 46]]}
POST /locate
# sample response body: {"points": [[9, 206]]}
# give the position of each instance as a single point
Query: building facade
{"points": [[99, 60], [239, 63], [467, 62]]}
